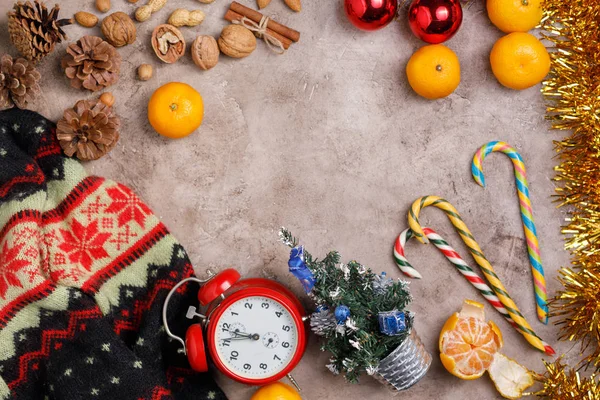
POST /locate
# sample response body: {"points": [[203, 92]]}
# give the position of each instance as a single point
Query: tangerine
{"points": [[467, 343], [515, 15], [469, 346], [276, 391], [175, 110], [433, 71], [519, 60], [510, 378]]}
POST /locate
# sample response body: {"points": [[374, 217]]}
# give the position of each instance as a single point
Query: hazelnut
{"points": [[144, 72], [107, 98], [168, 43], [205, 52], [237, 41], [118, 29]]}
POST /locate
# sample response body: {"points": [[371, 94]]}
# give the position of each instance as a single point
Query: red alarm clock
{"points": [[254, 328]]}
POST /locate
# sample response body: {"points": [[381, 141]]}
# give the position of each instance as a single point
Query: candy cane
{"points": [[454, 258], [487, 269], [401, 260], [458, 262], [533, 248]]}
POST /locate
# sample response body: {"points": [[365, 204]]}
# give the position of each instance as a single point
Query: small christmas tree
{"points": [[360, 314]]}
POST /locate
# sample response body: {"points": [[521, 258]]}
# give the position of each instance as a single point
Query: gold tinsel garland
{"points": [[573, 92], [558, 384], [577, 307]]}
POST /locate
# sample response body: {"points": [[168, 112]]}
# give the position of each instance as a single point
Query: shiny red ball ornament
{"points": [[435, 21], [370, 15]]}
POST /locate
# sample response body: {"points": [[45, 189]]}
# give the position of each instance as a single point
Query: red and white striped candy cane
{"points": [[455, 259]]}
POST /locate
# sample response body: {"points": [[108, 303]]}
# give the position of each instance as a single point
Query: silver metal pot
{"points": [[406, 365]]}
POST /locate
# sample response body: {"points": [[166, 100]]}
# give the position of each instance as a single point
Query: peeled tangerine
{"points": [[469, 347]]}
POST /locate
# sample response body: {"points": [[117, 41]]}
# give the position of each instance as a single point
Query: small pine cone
{"points": [[382, 283], [91, 63], [89, 130], [18, 82], [34, 31], [322, 322]]}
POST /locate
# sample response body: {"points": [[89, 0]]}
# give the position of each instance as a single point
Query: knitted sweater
{"points": [[84, 270]]}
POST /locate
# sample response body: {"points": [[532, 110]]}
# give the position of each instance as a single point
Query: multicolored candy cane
{"points": [[487, 269], [533, 248], [458, 262]]}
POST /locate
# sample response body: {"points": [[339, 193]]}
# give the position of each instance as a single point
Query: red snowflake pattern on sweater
{"points": [[84, 244], [10, 264], [126, 205], [27, 234]]}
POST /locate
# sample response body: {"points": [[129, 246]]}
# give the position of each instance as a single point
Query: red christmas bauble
{"points": [[370, 15], [435, 21]]}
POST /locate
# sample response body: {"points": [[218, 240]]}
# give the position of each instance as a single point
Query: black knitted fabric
{"points": [[84, 270]]}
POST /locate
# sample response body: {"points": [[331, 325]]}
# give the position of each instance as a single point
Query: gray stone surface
{"points": [[330, 141]]}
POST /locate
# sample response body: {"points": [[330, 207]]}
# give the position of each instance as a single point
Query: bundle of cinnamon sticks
{"points": [[281, 32]]}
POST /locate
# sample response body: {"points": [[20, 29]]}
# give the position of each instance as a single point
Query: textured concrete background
{"points": [[330, 141]]}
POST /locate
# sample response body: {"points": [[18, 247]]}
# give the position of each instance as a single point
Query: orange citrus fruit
{"points": [[469, 347], [175, 110], [510, 378], [467, 343], [433, 71], [519, 60], [515, 15], [276, 391]]}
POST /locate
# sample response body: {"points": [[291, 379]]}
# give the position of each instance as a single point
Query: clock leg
{"points": [[291, 378]]}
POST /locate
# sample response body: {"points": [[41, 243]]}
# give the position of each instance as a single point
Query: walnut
{"points": [[168, 43], [118, 29], [205, 52], [237, 41]]}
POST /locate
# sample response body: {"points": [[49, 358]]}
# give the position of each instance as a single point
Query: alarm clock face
{"points": [[255, 338]]}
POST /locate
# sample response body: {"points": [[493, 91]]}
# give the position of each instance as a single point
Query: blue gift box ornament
{"points": [[392, 323], [300, 270]]}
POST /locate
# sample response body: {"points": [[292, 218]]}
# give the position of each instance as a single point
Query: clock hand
{"points": [[237, 338], [244, 335], [238, 333]]}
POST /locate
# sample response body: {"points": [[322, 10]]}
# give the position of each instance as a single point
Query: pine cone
{"points": [[89, 129], [91, 63], [18, 82], [322, 322], [34, 31]]}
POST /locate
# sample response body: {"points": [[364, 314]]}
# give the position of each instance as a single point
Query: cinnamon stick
{"points": [[285, 41], [256, 17]]}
